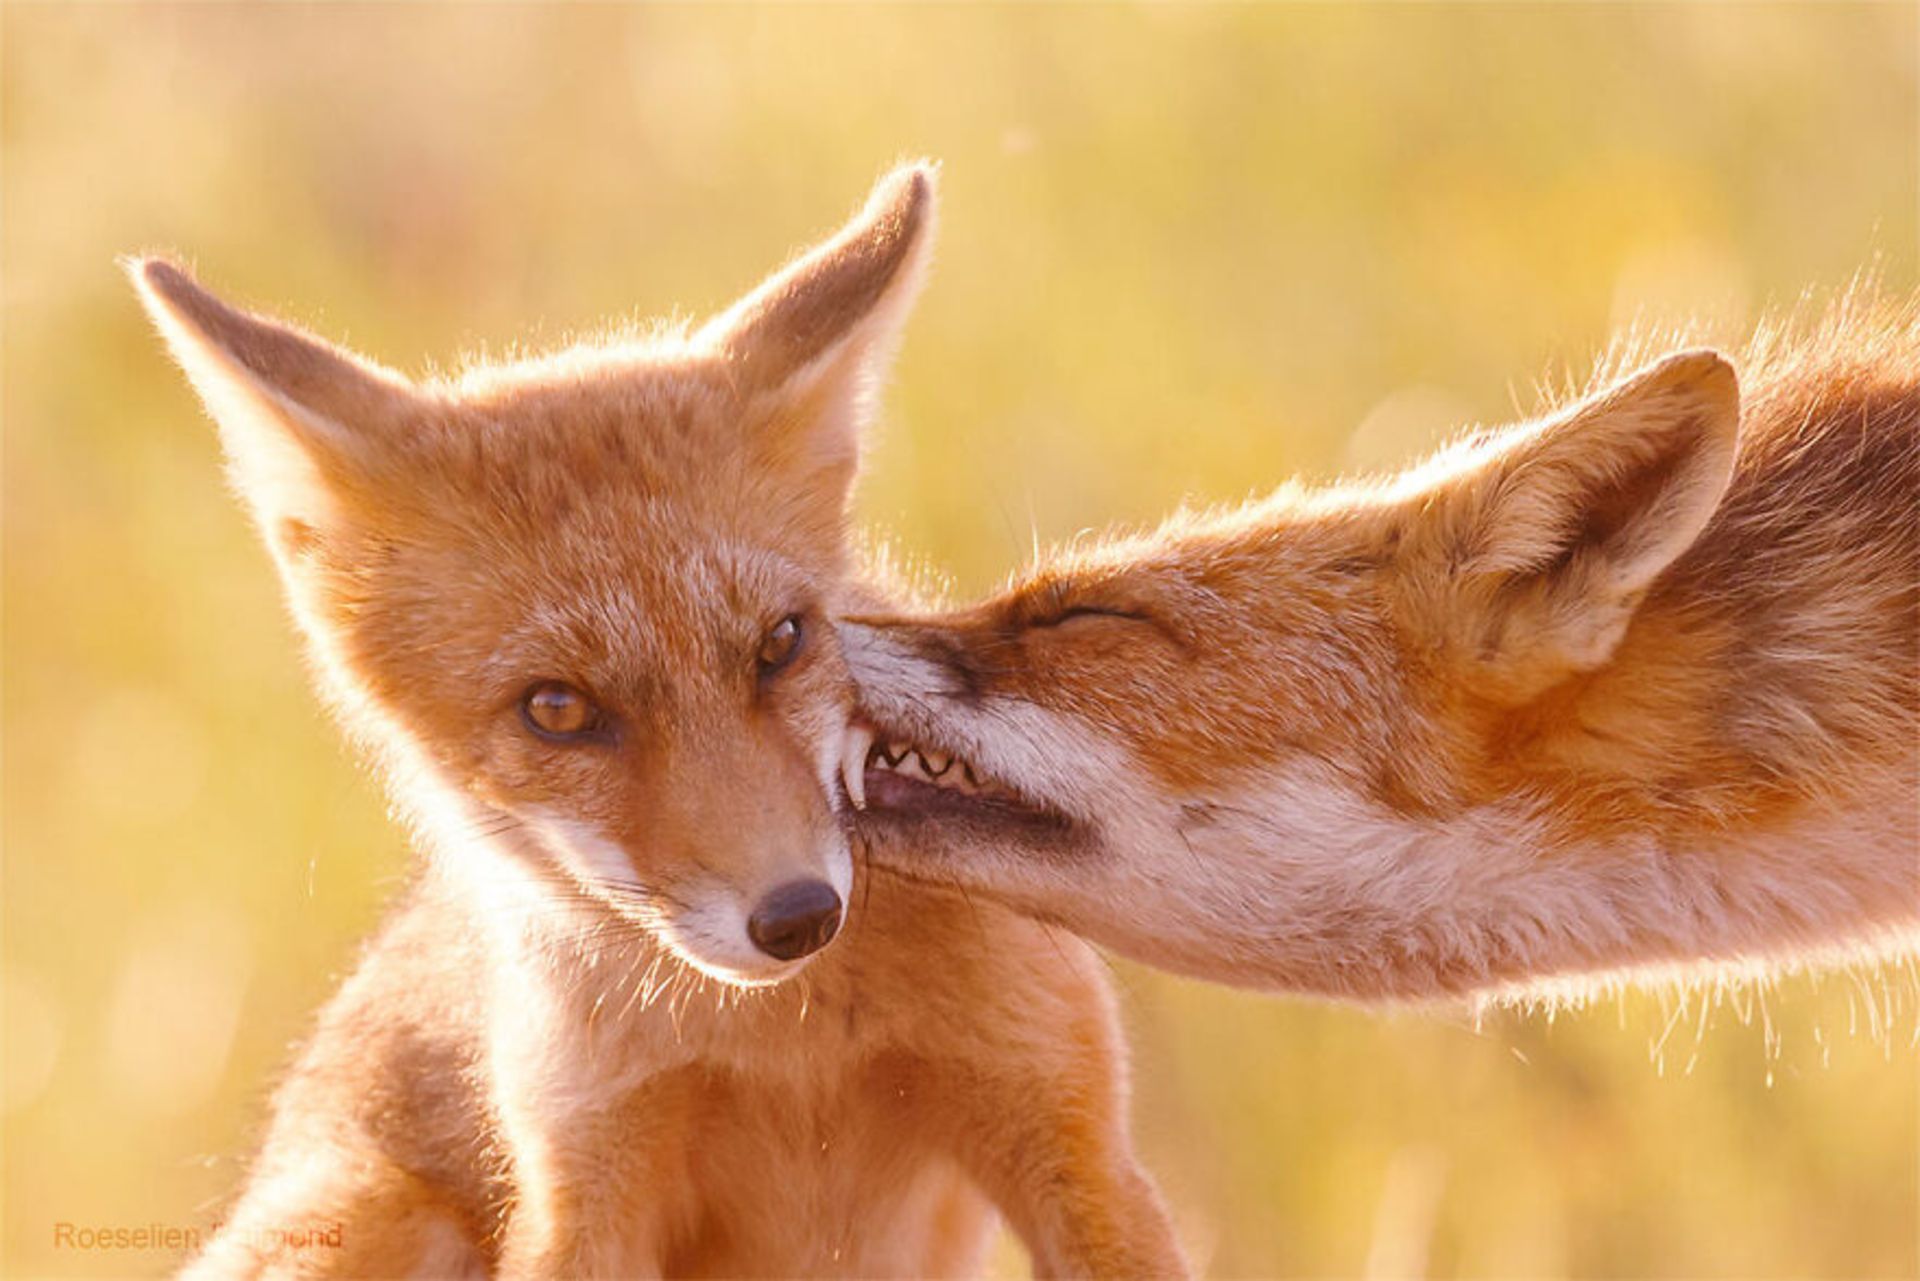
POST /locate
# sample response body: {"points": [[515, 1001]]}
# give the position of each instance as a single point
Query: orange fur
{"points": [[567, 1053], [1633, 685]]}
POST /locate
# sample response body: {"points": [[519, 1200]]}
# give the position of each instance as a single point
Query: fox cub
{"points": [[641, 1012]]}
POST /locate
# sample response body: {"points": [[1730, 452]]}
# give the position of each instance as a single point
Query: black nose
{"points": [[795, 920]]}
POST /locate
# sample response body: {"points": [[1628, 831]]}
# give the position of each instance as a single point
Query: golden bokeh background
{"points": [[1186, 252]]}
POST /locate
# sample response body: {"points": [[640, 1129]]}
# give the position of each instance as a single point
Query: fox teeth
{"points": [[853, 763], [942, 769]]}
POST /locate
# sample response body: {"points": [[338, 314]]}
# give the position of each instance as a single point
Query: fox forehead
{"points": [[587, 520], [614, 444], [631, 600], [612, 615]]}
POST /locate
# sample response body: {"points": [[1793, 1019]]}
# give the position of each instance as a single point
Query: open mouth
{"points": [[890, 775]]}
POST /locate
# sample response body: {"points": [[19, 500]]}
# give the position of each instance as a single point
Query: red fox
{"points": [[1628, 687], [640, 1012]]}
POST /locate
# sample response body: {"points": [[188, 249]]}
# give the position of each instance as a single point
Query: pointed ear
{"points": [[809, 347], [300, 420], [1554, 540]]}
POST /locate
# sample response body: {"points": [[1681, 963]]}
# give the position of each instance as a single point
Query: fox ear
{"points": [[299, 419], [1558, 536], [811, 344]]}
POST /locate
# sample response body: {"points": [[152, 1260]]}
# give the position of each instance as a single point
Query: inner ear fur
{"points": [[303, 423], [808, 348], [1549, 542]]}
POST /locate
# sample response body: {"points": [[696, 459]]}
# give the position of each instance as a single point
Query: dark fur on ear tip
{"points": [[160, 275], [1703, 371], [898, 212], [165, 285], [833, 297], [908, 193]]}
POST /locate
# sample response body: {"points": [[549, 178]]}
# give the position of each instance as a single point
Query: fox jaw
{"points": [[579, 607], [1322, 743]]}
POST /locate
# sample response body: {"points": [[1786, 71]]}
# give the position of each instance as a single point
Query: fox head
{"points": [[585, 600], [1161, 741]]}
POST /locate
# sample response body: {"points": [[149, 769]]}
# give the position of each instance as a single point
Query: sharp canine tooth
{"points": [[853, 763], [936, 763]]}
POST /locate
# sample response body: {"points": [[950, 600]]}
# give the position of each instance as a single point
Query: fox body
{"points": [[578, 609], [1627, 687]]}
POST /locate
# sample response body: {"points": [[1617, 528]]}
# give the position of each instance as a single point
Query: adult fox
{"points": [[578, 609], [1628, 686]]}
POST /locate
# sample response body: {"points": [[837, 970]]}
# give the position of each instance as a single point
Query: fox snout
{"points": [[731, 854], [747, 912], [936, 739], [754, 921], [898, 660]]}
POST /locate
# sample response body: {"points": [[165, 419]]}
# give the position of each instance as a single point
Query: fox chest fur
{"points": [[828, 1130]]}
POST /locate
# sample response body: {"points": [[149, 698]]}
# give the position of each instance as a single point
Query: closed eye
{"points": [[1090, 611], [1075, 616]]}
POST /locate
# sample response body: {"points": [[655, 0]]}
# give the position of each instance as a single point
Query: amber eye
{"points": [[779, 646], [560, 711]]}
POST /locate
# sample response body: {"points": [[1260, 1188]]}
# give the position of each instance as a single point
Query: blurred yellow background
{"points": [[1186, 251]]}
